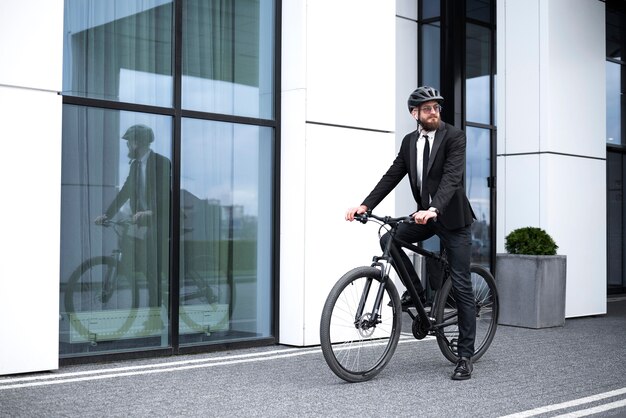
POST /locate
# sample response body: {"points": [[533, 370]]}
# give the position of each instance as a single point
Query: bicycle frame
{"points": [[359, 345], [389, 253]]}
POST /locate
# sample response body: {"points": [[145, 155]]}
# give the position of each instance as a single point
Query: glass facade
{"points": [[168, 173], [120, 51], [225, 266], [457, 56], [228, 57], [615, 141], [479, 75], [114, 229]]}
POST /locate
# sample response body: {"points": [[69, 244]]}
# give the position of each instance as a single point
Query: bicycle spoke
{"points": [[355, 347]]}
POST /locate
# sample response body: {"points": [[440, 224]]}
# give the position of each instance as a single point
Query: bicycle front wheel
{"points": [[486, 303], [99, 303], [358, 337]]}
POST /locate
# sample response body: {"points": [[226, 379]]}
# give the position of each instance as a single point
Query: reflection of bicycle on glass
{"points": [[102, 295], [103, 284], [206, 296]]}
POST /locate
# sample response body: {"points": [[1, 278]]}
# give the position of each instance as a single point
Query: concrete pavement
{"points": [[576, 369]]}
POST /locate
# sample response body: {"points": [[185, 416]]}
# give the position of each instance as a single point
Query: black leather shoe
{"points": [[463, 369], [406, 301]]}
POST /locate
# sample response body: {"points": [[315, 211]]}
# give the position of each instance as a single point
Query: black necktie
{"points": [[424, 190], [135, 168]]}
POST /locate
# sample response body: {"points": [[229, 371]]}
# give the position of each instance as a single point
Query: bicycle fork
{"points": [[367, 321], [109, 275]]}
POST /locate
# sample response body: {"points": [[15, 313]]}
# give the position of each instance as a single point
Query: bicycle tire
{"points": [[83, 294], [487, 308], [358, 353], [201, 286]]}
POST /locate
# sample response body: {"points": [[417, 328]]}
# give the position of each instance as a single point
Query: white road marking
{"points": [[110, 373], [594, 410], [569, 404]]}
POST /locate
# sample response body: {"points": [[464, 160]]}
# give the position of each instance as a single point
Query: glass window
{"points": [[479, 10], [431, 55], [116, 182], [118, 173], [225, 271], [228, 57], [120, 51], [614, 30], [478, 70], [614, 106], [431, 8], [477, 171]]}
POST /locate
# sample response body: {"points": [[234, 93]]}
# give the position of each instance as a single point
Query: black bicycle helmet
{"points": [[139, 132], [422, 95]]}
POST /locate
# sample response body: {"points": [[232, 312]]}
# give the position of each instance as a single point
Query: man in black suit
{"points": [[434, 158], [147, 190]]}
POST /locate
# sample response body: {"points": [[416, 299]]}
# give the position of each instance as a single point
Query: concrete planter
{"points": [[531, 290]]}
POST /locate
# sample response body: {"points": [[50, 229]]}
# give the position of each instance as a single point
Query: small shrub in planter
{"points": [[531, 280], [530, 241]]}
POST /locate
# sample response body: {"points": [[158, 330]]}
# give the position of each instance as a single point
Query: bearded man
{"points": [[433, 156]]}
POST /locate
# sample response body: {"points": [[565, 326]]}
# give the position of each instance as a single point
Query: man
{"points": [[147, 190], [434, 158]]}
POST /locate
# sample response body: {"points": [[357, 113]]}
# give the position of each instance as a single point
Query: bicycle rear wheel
{"points": [[206, 297], [486, 298], [358, 346]]}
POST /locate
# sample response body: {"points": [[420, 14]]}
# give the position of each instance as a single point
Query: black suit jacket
{"points": [[158, 173], [445, 177]]}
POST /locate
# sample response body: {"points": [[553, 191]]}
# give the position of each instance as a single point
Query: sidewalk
{"points": [[572, 368]]}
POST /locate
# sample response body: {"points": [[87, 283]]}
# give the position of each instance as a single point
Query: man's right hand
{"points": [[101, 219], [353, 211]]}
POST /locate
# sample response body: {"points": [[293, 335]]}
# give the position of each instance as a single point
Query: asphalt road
{"points": [[575, 370]]}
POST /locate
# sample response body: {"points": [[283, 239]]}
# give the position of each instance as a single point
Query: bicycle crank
{"points": [[418, 329]]}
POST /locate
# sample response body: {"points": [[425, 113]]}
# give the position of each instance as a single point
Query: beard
{"points": [[430, 123]]}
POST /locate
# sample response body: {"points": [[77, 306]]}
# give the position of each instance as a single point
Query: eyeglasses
{"points": [[427, 109]]}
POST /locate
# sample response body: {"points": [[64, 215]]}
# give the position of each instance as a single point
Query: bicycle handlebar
{"points": [[122, 222], [364, 217]]}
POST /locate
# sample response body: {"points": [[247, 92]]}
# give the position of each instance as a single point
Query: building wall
{"points": [[338, 124], [551, 126], [31, 35], [346, 70]]}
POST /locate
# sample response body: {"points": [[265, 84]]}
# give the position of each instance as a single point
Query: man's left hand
{"points": [[142, 218], [421, 217]]}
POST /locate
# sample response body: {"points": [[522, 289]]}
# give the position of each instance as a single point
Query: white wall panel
{"points": [[30, 224], [350, 63], [576, 78], [520, 76], [293, 53], [551, 107], [501, 204], [31, 43], [407, 9], [521, 184], [569, 187], [30, 218], [342, 167], [292, 212], [406, 82]]}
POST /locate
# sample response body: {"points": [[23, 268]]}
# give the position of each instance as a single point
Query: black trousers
{"points": [[458, 244]]}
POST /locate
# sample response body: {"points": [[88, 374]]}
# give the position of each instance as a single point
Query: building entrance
{"points": [[616, 222]]}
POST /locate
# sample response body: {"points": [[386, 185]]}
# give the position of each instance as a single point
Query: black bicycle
{"points": [[362, 318]]}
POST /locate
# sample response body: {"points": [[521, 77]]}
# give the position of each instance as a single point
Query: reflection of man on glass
{"points": [[147, 190]]}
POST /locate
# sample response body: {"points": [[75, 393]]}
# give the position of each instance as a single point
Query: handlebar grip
{"points": [[361, 217]]}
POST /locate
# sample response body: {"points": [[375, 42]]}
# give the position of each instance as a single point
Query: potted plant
{"points": [[531, 280]]}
